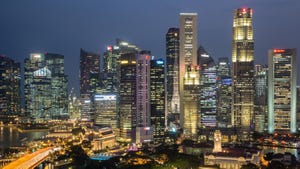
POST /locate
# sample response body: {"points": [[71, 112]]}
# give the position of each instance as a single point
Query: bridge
{"points": [[30, 161]]}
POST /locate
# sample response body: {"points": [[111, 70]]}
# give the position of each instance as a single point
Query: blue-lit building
{"points": [[208, 89], [224, 89]]}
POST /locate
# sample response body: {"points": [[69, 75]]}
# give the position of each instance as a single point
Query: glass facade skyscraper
{"points": [[224, 89], [10, 88], [208, 89], [45, 87], [282, 93], [157, 96], [242, 73], [127, 93], [172, 68]]}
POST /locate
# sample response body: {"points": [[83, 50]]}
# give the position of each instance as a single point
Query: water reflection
{"points": [[10, 136], [281, 150]]}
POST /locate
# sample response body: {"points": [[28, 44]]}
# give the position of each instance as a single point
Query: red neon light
{"points": [[147, 57], [278, 50], [109, 48]]}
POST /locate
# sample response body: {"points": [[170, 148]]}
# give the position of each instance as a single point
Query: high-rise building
{"points": [[224, 93], [282, 94], [59, 81], [45, 87], [141, 118], [89, 67], [74, 105], [188, 74], [127, 102], [10, 88], [111, 65], [89, 82], [261, 95], [157, 95], [105, 107], [242, 73], [172, 66], [208, 89], [37, 84]]}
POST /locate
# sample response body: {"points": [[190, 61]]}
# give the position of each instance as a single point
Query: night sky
{"points": [[65, 26]]}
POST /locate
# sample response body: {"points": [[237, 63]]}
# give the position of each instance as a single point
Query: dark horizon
{"points": [[64, 27]]}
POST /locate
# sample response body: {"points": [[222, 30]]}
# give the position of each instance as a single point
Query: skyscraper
{"points": [[89, 82], [282, 93], [261, 95], [37, 83], [45, 86], [10, 88], [242, 72], [141, 118], [172, 66], [188, 72], [127, 93], [111, 65], [89, 67], [59, 81], [208, 89], [224, 88], [157, 95]]}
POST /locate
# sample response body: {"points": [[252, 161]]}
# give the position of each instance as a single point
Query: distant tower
{"points": [[127, 102], [10, 90], [157, 95], [172, 68], [217, 141], [89, 67], [189, 75], [224, 88], [243, 72], [89, 81], [261, 95], [282, 93], [208, 90], [141, 118]]}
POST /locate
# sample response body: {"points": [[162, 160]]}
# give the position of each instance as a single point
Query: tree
{"points": [[78, 155]]}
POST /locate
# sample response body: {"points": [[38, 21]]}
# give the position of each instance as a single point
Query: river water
{"points": [[10, 136]]}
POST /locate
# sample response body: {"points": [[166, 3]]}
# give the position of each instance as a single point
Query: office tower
{"points": [[10, 88], [111, 65], [141, 118], [38, 94], [59, 91], [208, 89], [282, 91], [157, 103], [45, 87], [188, 73], [172, 66], [127, 103], [105, 107], [74, 105], [242, 73], [261, 95], [89, 82], [89, 68], [224, 93]]}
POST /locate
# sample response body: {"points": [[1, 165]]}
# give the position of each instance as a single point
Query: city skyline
{"points": [[57, 27]]}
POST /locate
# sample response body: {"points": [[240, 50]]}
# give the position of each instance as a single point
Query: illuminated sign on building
{"points": [[105, 97]]}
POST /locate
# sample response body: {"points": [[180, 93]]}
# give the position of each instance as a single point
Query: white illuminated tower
{"points": [[188, 75], [217, 141], [282, 93]]}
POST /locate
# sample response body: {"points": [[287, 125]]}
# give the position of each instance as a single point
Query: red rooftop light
{"points": [[244, 10], [278, 50]]}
